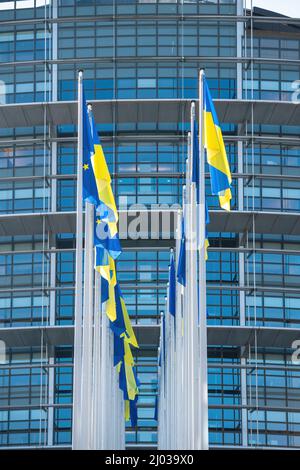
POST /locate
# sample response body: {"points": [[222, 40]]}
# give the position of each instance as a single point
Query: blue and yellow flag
{"points": [[128, 381], [133, 411], [97, 190], [220, 175]]}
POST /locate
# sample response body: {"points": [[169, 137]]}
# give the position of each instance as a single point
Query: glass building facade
{"points": [[132, 51]]}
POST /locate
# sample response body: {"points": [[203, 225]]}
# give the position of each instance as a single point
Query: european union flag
{"points": [[118, 326], [103, 180], [133, 412], [118, 349], [195, 162], [104, 290]]}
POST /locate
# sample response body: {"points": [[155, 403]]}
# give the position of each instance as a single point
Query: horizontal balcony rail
{"points": [[152, 174], [215, 365], [170, 111], [220, 249], [161, 285]]}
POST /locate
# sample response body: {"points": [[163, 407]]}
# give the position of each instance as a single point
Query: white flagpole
{"points": [[194, 294], [87, 331], [104, 379], [178, 351], [203, 387], [78, 279], [187, 307], [96, 413]]}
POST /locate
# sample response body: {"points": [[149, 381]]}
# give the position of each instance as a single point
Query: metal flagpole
{"points": [[104, 378], [203, 390], [87, 330], [193, 293], [78, 278]]}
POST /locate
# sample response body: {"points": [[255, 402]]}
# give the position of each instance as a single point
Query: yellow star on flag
{"points": [[86, 166]]}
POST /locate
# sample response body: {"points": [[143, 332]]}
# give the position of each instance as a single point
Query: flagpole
{"points": [[203, 387], [183, 333], [104, 378], [87, 330], [78, 278]]}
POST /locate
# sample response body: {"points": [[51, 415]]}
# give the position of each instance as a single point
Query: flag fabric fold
{"points": [[172, 287], [103, 237], [181, 266], [195, 178]]}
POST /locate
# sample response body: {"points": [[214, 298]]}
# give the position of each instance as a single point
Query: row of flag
{"points": [[97, 190], [183, 348]]}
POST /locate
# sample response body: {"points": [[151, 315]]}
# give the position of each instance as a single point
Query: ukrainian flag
{"points": [[216, 154], [181, 267], [172, 287], [108, 210]]}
